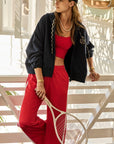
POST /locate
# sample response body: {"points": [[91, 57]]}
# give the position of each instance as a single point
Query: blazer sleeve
{"points": [[35, 47], [89, 47]]}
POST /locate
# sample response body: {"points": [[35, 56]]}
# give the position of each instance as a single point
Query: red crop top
{"points": [[62, 44]]}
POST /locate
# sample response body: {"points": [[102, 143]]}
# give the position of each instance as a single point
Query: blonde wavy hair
{"points": [[76, 18]]}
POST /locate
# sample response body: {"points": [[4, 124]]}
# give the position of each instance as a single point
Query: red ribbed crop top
{"points": [[62, 44]]}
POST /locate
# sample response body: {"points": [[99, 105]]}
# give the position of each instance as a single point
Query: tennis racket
{"points": [[68, 128]]}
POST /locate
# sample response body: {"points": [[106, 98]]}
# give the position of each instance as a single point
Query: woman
{"points": [[56, 54]]}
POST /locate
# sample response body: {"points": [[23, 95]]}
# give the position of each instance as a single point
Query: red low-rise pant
{"points": [[38, 130]]}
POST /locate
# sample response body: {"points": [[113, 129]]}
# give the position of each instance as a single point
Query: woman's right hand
{"points": [[40, 90]]}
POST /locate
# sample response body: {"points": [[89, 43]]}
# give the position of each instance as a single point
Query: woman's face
{"points": [[62, 5]]}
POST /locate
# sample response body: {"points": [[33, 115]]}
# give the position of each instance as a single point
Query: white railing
{"points": [[92, 102]]}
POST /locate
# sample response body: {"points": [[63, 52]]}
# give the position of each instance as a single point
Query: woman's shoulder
{"points": [[83, 26], [47, 16], [44, 20]]}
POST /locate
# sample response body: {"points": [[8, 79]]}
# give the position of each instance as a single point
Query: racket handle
{"points": [[47, 101]]}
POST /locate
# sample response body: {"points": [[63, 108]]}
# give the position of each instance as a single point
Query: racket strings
{"points": [[61, 126], [69, 129]]}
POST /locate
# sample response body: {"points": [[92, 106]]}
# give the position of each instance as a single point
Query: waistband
{"points": [[59, 66], [56, 67]]}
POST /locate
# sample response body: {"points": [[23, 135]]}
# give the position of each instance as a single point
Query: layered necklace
{"points": [[65, 28]]}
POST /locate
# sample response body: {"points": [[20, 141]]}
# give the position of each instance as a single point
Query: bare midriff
{"points": [[59, 61]]}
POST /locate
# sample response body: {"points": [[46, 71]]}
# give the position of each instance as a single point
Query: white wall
{"points": [[99, 24]]}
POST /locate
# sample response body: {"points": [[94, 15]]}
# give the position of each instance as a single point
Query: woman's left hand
{"points": [[94, 76]]}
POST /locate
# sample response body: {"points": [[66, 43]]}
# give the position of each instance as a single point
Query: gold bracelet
{"points": [[40, 80], [91, 69]]}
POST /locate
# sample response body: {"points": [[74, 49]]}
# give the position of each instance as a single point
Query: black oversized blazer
{"points": [[41, 50]]}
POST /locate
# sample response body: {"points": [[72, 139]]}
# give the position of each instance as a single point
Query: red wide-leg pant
{"points": [[38, 130]]}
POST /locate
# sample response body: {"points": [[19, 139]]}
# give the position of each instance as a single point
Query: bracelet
{"points": [[40, 80], [91, 69]]}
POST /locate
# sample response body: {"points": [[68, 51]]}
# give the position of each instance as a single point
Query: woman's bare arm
{"points": [[93, 75], [90, 62], [40, 89], [38, 72]]}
